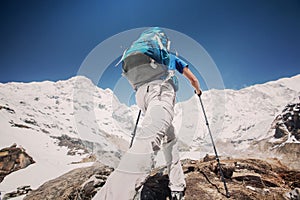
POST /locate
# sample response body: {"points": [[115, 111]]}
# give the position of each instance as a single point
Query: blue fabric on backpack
{"points": [[153, 42]]}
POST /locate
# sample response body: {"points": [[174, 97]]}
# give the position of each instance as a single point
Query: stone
{"points": [[12, 159]]}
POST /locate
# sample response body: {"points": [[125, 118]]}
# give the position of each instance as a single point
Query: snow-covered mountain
{"points": [[237, 118], [74, 107], [35, 116], [38, 115]]}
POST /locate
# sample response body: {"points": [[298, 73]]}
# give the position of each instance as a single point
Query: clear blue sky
{"points": [[251, 41]]}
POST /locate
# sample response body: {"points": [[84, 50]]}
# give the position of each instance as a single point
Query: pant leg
{"points": [[171, 153], [170, 148], [157, 100], [135, 165]]}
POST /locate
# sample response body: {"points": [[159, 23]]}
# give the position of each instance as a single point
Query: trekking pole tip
{"points": [[227, 194]]}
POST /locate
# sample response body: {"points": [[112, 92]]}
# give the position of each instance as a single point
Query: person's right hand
{"points": [[199, 92]]}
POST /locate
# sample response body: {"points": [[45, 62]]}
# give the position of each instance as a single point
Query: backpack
{"points": [[147, 58]]}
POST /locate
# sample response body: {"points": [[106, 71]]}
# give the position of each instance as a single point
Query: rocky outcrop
{"points": [[245, 179], [74, 145], [284, 139], [20, 191], [12, 159], [78, 184], [81, 147], [287, 124], [8, 109], [18, 125]]}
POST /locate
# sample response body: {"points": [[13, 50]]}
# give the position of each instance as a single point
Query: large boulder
{"points": [[79, 184], [13, 158]]}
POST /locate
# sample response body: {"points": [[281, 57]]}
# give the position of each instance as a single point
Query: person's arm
{"points": [[192, 78]]}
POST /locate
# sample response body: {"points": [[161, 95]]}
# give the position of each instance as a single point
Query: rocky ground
{"points": [[245, 179]]}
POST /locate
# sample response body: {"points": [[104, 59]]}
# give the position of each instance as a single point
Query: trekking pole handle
{"points": [[197, 93]]}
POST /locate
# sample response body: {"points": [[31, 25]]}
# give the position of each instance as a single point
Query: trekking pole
{"points": [[134, 131], [217, 157]]}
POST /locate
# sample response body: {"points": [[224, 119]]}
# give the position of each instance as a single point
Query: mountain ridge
{"points": [[32, 112]]}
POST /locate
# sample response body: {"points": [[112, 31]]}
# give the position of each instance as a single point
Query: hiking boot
{"points": [[177, 195]]}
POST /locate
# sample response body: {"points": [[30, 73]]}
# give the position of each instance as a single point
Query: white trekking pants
{"points": [[157, 102]]}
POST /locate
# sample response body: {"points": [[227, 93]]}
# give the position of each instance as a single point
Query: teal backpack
{"points": [[147, 58]]}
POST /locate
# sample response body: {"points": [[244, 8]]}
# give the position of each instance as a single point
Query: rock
{"points": [[288, 122], [294, 194], [75, 145], [156, 187], [78, 184], [7, 109], [246, 179], [89, 158], [209, 158], [13, 124], [20, 191], [284, 140], [31, 121], [12, 159]]}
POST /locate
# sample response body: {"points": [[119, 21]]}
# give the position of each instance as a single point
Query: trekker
{"points": [[156, 88]]}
